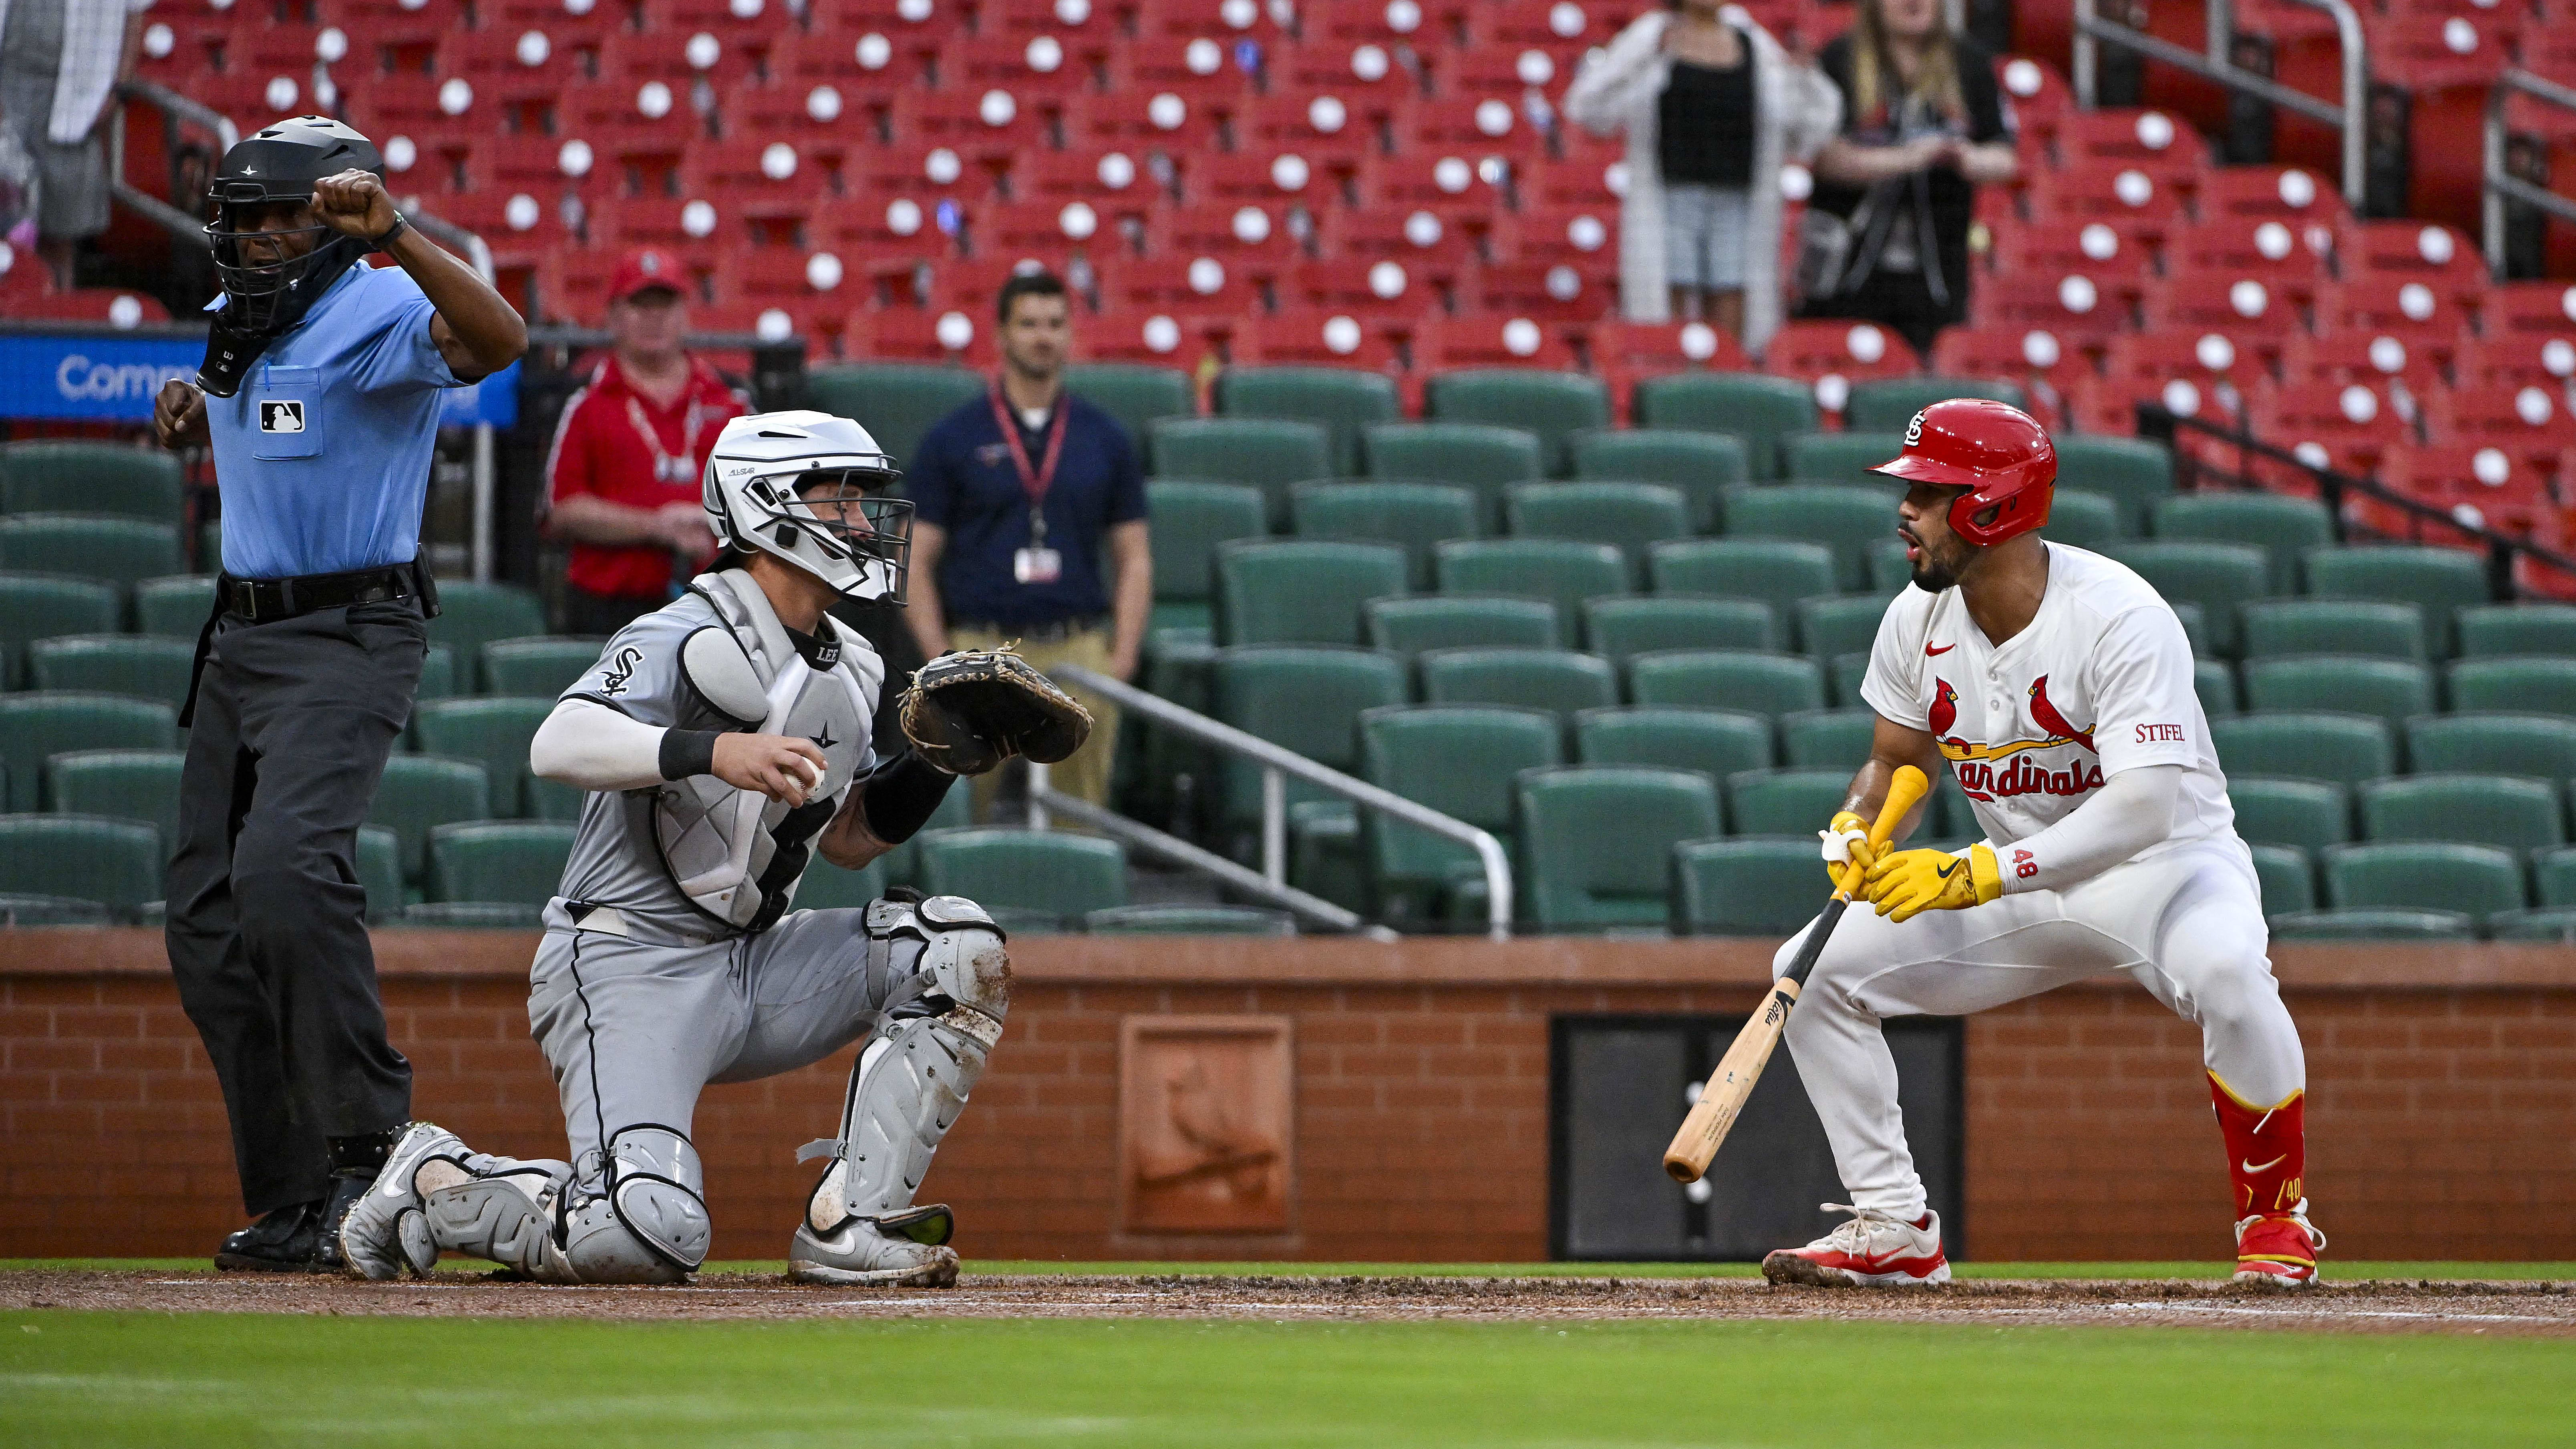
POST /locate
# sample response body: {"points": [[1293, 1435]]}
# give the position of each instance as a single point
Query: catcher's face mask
{"points": [[837, 524]]}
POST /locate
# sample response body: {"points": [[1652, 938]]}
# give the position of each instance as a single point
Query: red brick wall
{"points": [[2443, 1123]]}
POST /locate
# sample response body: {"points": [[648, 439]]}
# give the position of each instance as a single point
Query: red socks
{"points": [[2267, 1151]]}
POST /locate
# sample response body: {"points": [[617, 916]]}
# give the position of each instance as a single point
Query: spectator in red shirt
{"points": [[622, 482]]}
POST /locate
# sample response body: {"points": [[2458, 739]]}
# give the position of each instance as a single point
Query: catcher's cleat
{"points": [[384, 1231], [1874, 1250], [908, 1250], [286, 1240], [2278, 1249]]}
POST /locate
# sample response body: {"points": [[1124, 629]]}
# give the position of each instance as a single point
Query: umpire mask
{"points": [[809, 488], [272, 276]]}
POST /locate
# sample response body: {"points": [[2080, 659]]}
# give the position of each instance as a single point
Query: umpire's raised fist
{"points": [[179, 413], [354, 203]]}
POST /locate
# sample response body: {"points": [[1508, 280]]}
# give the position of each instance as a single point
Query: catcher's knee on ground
{"points": [[639, 1215]]}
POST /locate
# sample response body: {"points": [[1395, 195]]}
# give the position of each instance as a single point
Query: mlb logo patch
{"points": [[281, 416]]}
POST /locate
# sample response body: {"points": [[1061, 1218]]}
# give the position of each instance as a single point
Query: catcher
{"points": [[723, 737]]}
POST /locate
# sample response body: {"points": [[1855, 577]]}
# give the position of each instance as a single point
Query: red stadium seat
{"points": [[1312, 337], [554, 17], [113, 305], [1473, 125], [1578, 235], [2483, 486], [2163, 148], [1328, 130], [797, 111], [1490, 339], [1260, 176], [2531, 421], [1564, 30], [920, 334], [2041, 98], [1582, 179], [1058, 18], [2125, 196], [1447, 184], [1549, 291], [611, 117], [2417, 249], [2408, 375], [1503, 68], [1347, 69], [2347, 425], [1040, 230], [2515, 360], [1197, 286], [2204, 375], [884, 239], [1143, 122], [888, 17], [1162, 339], [2302, 200], [2043, 364], [1834, 354], [1023, 65], [2074, 307], [2414, 311], [683, 60], [926, 170], [1227, 23], [989, 127], [1417, 238], [808, 292], [1245, 235], [1200, 69], [2249, 312], [1380, 289], [1642, 349], [2268, 250]]}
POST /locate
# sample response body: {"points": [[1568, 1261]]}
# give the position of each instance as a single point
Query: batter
{"points": [[724, 737], [2057, 687]]}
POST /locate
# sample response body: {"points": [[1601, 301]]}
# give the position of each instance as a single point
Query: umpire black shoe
{"points": [[288, 1240], [329, 1214]]}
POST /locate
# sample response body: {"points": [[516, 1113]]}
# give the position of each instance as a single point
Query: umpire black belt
{"points": [[1043, 631], [263, 601]]}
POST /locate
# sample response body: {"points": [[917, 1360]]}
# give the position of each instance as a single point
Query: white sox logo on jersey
{"points": [[1975, 764], [620, 670]]}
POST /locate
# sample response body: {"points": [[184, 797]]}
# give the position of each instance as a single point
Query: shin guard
{"points": [[2267, 1150]]}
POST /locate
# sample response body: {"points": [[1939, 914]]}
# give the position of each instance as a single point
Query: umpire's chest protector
{"points": [[737, 853]]}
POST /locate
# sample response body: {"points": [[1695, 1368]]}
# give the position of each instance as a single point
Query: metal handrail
{"points": [[2350, 118], [2496, 187], [1181, 853], [1278, 764]]}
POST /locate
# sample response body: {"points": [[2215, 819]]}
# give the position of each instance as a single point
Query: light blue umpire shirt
{"points": [[323, 457]]}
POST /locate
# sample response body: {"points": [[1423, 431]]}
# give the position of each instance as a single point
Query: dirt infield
{"points": [[2544, 1308]]}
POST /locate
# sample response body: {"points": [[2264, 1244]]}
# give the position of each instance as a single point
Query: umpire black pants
{"points": [[267, 922]]}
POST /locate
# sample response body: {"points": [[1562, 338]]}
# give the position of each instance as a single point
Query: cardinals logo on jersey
{"points": [[1945, 709], [1976, 765], [2053, 722]]}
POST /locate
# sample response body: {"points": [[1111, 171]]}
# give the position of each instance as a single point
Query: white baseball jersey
{"points": [[2100, 681]]}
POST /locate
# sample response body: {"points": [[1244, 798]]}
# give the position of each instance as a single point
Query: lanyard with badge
{"points": [[1037, 563], [666, 468]]}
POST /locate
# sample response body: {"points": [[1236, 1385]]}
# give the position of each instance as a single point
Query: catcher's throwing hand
{"points": [[968, 711], [779, 766], [354, 203], [1846, 839], [1904, 884]]}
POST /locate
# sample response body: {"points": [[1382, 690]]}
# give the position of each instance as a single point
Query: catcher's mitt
{"points": [[969, 711]]}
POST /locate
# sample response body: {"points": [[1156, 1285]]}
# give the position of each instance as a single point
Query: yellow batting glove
{"points": [[1846, 839], [1904, 884]]}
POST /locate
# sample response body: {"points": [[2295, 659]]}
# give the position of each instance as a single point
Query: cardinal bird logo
{"points": [[1945, 708], [2053, 722]]}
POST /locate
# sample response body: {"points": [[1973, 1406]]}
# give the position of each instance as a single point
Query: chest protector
{"points": [[737, 853]]}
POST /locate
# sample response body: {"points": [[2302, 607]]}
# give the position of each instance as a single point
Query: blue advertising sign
{"points": [[95, 377]]}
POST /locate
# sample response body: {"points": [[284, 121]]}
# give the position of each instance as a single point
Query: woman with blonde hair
{"points": [[1923, 124], [1712, 107]]}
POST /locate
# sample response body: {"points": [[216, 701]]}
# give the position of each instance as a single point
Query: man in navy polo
{"points": [[1029, 524], [320, 395]]}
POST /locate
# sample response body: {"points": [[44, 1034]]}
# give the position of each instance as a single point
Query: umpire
{"points": [[320, 395]]}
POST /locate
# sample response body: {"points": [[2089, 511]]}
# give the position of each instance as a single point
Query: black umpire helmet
{"points": [[280, 164]]}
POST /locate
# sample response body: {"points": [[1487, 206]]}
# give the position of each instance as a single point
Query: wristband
{"points": [[688, 752], [900, 796], [392, 234]]}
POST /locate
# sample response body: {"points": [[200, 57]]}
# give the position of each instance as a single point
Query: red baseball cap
{"points": [[643, 270]]}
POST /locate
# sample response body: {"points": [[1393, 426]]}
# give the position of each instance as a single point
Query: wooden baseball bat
{"points": [[1722, 1099]]}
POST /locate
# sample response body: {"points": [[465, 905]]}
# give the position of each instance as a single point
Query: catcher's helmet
{"points": [[277, 164], [1997, 452], [760, 492]]}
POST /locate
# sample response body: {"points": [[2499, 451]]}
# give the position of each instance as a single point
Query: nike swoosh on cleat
{"points": [[1934, 651], [2275, 1162]]}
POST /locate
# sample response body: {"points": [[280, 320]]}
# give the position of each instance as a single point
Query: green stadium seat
{"points": [[2272, 627], [2344, 748], [1301, 591], [471, 615], [2285, 528], [1738, 679], [544, 664], [901, 401], [1028, 873], [2215, 683], [1190, 519], [438, 674], [2217, 576], [1638, 623], [1563, 571], [2133, 472], [2490, 629], [1779, 572], [1715, 742], [2392, 689], [2289, 881], [1477, 456], [421, 792], [1345, 401], [17, 910], [1747, 887], [827, 887], [2081, 520], [2443, 580], [1784, 802], [2286, 810], [1846, 518], [1460, 760], [2374, 924], [1302, 698], [2423, 875], [1189, 920], [1631, 517], [36, 727], [1264, 453], [2494, 744], [1560, 680], [1137, 394], [520, 862], [2556, 927], [1461, 621], [112, 550], [2515, 682], [1416, 517], [1597, 842], [380, 873], [1828, 739], [1844, 675], [76, 477], [2554, 873], [956, 811], [125, 784], [1760, 410], [1839, 624], [2509, 810], [2195, 626], [1702, 465], [42, 606], [116, 863], [1554, 405], [135, 664], [1887, 404], [471, 916], [492, 731], [1844, 458], [174, 606]]}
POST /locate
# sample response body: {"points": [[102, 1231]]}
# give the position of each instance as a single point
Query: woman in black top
{"points": [[1704, 147], [1886, 234]]}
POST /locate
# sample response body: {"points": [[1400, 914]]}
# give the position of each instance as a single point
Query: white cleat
{"points": [[861, 1252], [385, 1232], [1874, 1250]]}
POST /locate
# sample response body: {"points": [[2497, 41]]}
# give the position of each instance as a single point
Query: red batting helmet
{"points": [[1997, 452]]}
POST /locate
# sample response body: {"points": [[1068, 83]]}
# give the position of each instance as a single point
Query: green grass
{"points": [[2335, 1270], [139, 1378]]}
